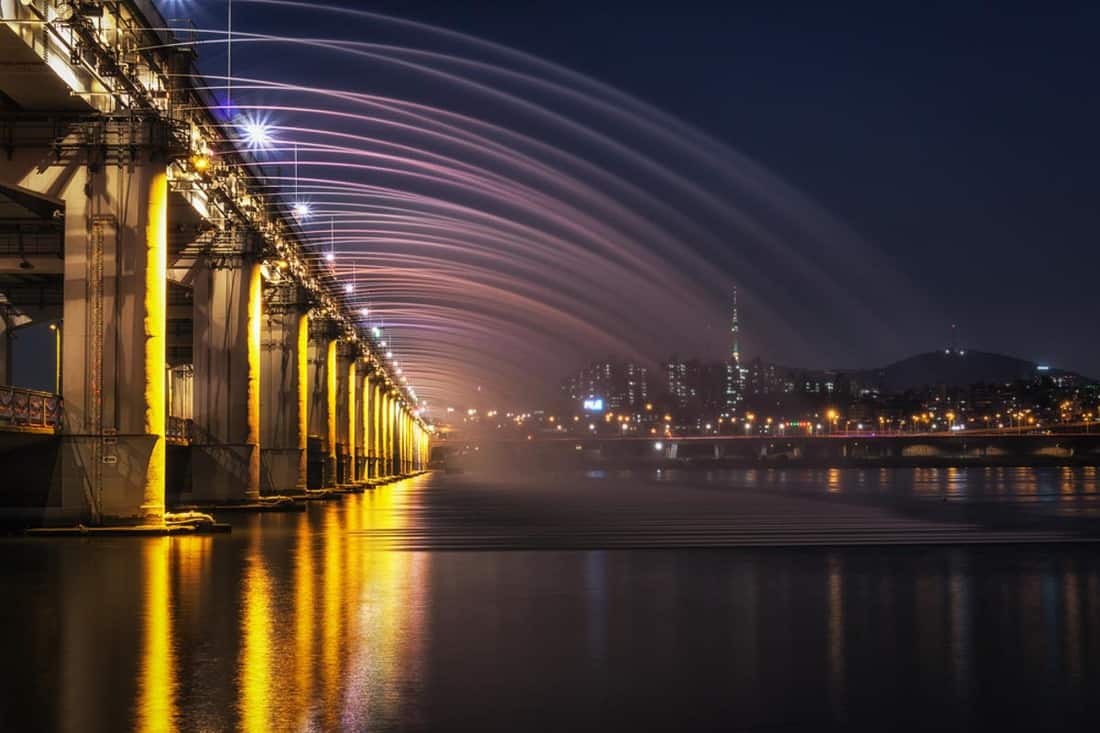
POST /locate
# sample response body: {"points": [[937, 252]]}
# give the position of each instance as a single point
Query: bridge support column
{"points": [[116, 253], [111, 466], [321, 385], [376, 428], [353, 418], [343, 408], [403, 450], [384, 431], [403, 458], [283, 380], [395, 426], [406, 442], [362, 436], [226, 446], [387, 434]]}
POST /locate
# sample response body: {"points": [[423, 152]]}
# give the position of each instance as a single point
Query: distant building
{"points": [[622, 385], [681, 380]]}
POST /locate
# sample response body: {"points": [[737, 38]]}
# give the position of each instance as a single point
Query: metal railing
{"points": [[29, 408], [178, 429]]}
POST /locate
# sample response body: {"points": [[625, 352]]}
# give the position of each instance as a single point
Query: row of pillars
{"points": [[264, 382], [315, 384]]}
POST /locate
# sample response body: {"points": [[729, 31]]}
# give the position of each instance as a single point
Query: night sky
{"points": [[952, 151]]}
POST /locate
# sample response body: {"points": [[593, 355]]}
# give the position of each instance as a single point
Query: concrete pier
{"points": [[226, 446], [283, 386]]}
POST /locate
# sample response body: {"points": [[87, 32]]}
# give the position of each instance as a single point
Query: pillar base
{"points": [[103, 479], [222, 473], [281, 471]]}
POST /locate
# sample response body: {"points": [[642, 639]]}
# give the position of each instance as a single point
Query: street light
{"points": [[56, 328], [257, 134]]}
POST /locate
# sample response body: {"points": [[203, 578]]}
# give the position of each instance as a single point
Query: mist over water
{"points": [[505, 219]]}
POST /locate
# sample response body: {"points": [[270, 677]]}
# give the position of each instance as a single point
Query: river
{"points": [[741, 600]]}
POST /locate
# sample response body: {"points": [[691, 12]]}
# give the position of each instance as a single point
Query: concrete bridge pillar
{"points": [[403, 453], [399, 436], [112, 455], [406, 433], [113, 344], [344, 409], [387, 434], [395, 435], [363, 429], [384, 412], [284, 383], [418, 447], [375, 456], [321, 385], [228, 312]]}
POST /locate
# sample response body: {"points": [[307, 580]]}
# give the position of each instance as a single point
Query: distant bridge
{"points": [[201, 347], [1078, 444]]}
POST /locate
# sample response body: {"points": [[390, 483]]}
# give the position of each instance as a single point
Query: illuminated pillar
{"points": [[353, 422], [383, 397], [426, 447], [343, 409], [402, 451], [406, 464], [112, 449], [376, 427], [284, 384], [387, 433], [418, 435], [228, 302], [113, 344], [321, 396], [332, 458], [364, 429], [391, 424]]}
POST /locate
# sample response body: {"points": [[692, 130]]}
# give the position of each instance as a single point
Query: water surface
{"points": [[559, 601]]}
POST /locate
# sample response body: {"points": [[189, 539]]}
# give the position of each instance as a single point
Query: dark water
{"points": [[574, 602]]}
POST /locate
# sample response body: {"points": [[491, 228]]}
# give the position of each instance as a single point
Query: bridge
{"points": [[206, 356], [1063, 445]]}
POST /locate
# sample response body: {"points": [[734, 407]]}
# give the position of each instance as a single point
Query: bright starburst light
{"points": [[257, 134]]}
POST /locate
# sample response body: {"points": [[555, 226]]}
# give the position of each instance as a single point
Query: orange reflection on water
{"points": [[305, 623], [332, 616], [256, 653], [320, 648], [156, 704]]}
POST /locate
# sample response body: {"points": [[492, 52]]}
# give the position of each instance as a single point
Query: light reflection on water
{"points": [[1065, 488], [304, 622]]}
